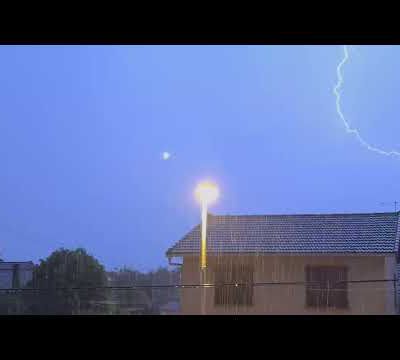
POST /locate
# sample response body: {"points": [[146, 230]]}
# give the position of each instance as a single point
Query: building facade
{"points": [[15, 274]]}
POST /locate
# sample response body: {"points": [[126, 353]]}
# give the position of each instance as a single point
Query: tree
{"points": [[66, 282]]}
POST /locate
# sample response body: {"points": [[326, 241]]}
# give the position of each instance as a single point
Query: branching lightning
{"points": [[355, 132]]}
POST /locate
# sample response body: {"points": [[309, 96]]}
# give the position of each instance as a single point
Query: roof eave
{"points": [[297, 253]]}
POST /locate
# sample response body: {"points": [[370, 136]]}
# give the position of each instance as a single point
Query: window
{"points": [[226, 292], [326, 287]]}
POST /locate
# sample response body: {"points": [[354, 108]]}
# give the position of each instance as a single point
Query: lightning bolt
{"points": [[354, 132]]}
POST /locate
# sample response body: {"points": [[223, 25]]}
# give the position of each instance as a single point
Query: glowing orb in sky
{"points": [[166, 155]]}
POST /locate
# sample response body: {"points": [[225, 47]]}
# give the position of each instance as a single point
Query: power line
{"points": [[208, 285]]}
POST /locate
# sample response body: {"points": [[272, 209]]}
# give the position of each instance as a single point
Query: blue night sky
{"points": [[82, 129]]}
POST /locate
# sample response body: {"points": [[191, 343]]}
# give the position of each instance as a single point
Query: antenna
{"points": [[390, 203]]}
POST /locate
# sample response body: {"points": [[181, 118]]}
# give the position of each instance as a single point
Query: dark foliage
{"points": [[67, 282]]}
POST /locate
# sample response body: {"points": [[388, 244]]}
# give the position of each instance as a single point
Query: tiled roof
{"points": [[322, 233]]}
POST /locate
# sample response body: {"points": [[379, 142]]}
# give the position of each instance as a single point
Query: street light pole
{"points": [[203, 256], [204, 212], [206, 194]]}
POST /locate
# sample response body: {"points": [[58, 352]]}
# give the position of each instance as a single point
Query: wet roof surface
{"points": [[315, 233]]}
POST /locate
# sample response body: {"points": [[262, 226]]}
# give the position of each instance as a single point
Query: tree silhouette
{"points": [[67, 282]]}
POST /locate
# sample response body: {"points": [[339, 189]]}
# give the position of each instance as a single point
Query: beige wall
{"points": [[364, 298]]}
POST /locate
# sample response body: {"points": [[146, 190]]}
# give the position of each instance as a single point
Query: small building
{"points": [[15, 274], [293, 264]]}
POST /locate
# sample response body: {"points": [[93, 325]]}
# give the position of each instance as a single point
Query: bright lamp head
{"points": [[206, 192]]}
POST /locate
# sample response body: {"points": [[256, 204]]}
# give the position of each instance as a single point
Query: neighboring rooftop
{"points": [[313, 233], [21, 264]]}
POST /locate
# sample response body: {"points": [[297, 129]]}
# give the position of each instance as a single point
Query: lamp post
{"points": [[206, 193]]}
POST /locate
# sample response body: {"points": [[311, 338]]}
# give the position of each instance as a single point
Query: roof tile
{"points": [[321, 233]]}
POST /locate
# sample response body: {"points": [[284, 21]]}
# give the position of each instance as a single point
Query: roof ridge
{"points": [[310, 214]]}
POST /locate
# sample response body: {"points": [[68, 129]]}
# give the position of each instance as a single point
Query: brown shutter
{"points": [[226, 276], [326, 286]]}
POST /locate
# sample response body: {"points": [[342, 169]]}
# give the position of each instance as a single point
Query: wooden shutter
{"points": [[226, 276], [326, 286]]}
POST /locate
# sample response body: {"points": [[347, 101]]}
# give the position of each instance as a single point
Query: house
{"points": [[15, 274], [293, 264]]}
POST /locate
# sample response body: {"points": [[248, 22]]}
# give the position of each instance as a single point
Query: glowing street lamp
{"points": [[206, 193]]}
